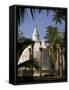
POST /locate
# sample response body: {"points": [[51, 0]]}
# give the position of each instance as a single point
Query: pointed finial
{"points": [[35, 35]]}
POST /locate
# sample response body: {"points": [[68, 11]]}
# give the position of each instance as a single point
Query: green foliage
{"points": [[52, 34], [22, 43], [54, 37], [59, 15]]}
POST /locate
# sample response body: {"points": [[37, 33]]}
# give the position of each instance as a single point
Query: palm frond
{"points": [[32, 11], [30, 63]]}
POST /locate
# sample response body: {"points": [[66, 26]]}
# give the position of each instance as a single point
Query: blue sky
{"points": [[41, 20]]}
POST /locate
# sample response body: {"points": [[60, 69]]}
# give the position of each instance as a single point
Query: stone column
{"points": [[32, 59], [58, 59], [60, 62], [41, 62]]}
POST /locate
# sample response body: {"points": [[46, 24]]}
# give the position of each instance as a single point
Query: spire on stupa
{"points": [[45, 43], [35, 35]]}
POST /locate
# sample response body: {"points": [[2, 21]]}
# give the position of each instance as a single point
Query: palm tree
{"points": [[52, 36], [56, 42], [59, 15]]}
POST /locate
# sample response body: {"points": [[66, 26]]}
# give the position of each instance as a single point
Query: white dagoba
{"points": [[36, 38], [35, 35], [45, 43]]}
